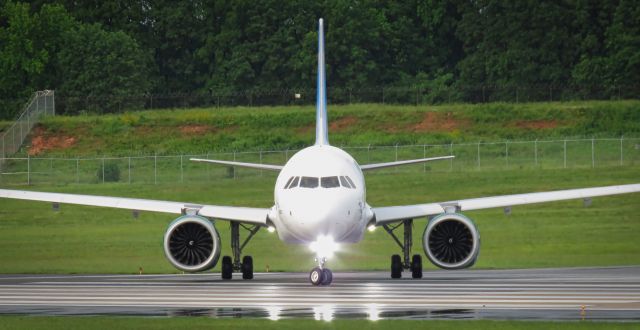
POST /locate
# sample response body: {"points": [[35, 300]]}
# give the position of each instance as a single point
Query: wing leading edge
{"points": [[395, 213], [256, 216]]}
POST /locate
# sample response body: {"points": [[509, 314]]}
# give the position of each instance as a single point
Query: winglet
{"points": [[322, 136]]}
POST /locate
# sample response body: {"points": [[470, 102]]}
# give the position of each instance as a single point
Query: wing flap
{"points": [[231, 213]]}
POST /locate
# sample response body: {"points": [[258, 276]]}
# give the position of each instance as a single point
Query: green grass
{"points": [[194, 323], [199, 131], [35, 239]]}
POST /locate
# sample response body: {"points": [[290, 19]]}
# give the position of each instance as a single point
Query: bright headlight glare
{"points": [[324, 246], [371, 228], [271, 229]]}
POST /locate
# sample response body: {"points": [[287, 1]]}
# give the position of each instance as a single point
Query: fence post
{"points": [[181, 171], [396, 152], [565, 153], [77, 170], [424, 155], [621, 159], [102, 169], [451, 159], [234, 168], [593, 153], [155, 169], [261, 161], [506, 152], [479, 153], [535, 152], [28, 169], [368, 154]]}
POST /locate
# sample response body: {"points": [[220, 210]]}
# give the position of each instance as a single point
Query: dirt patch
{"points": [[195, 129], [537, 124], [436, 121], [42, 141], [342, 123]]}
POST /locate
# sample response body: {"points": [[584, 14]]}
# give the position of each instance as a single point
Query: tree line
{"points": [[211, 47]]}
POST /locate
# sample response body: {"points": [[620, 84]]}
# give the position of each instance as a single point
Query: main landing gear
{"points": [[397, 263], [246, 266], [320, 275]]}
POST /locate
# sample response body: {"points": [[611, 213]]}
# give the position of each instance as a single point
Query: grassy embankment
{"points": [[196, 131], [195, 323], [34, 239]]}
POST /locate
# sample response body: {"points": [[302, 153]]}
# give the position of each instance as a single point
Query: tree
{"points": [[95, 62]]}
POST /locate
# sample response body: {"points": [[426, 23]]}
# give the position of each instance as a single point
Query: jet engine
{"points": [[451, 241], [192, 244]]}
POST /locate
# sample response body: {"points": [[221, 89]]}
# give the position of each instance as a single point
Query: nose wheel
{"points": [[320, 276]]}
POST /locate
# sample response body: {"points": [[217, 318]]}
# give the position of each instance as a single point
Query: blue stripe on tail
{"points": [[322, 134]]}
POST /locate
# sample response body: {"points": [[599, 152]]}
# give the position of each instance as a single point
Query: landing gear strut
{"points": [[246, 265], [397, 263], [320, 275]]}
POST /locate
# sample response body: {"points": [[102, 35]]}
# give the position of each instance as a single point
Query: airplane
{"points": [[320, 200]]}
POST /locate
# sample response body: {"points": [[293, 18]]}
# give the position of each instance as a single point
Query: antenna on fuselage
{"points": [[322, 135]]}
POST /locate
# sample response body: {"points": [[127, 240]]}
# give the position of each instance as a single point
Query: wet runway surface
{"points": [[546, 294]]}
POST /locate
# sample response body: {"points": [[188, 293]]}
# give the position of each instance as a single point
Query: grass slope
{"points": [[269, 128]]}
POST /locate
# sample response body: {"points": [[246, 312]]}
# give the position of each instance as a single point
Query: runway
{"points": [[550, 294]]}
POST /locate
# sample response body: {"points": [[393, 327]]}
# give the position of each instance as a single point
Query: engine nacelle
{"points": [[451, 241], [192, 244]]}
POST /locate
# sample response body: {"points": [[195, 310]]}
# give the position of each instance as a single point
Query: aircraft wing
{"points": [[241, 164], [396, 213], [401, 162], [256, 216]]}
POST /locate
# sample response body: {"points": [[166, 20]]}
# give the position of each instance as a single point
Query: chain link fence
{"points": [[40, 103], [409, 95], [506, 155]]}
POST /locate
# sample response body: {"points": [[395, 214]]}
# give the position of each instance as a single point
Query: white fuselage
{"points": [[334, 205]]}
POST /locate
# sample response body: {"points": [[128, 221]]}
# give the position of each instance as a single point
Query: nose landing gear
{"points": [[319, 275]]}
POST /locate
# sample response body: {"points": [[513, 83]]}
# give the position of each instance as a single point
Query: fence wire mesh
{"points": [[161, 169]]}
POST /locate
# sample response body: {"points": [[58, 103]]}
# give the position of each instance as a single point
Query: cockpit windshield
{"points": [[330, 182], [324, 182], [308, 182]]}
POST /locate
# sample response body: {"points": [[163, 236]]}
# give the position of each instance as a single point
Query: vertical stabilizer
{"points": [[322, 135]]}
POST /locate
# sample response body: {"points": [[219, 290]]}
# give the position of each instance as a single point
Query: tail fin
{"points": [[322, 134]]}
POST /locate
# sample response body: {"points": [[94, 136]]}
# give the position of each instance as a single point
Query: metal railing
{"points": [[40, 103], [478, 156]]}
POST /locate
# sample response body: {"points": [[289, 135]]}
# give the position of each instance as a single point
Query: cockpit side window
{"points": [[286, 185], [344, 182], [294, 183], [308, 182], [353, 186], [330, 182]]}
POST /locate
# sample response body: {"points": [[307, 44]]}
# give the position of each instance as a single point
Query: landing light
{"points": [[371, 228], [324, 246], [271, 229]]}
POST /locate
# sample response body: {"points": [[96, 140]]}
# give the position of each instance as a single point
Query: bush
{"points": [[111, 173]]}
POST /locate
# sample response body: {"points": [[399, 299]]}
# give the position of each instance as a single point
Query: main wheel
{"points": [[416, 266], [327, 276], [227, 268], [316, 276], [247, 268], [396, 266]]}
